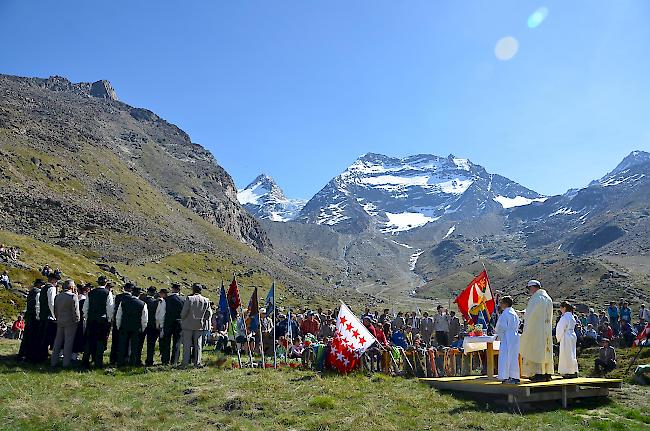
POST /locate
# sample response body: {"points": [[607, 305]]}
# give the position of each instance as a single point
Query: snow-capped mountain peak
{"points": [[398, 194], [265, 200]]}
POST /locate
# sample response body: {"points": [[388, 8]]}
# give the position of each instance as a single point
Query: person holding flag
{"points": [[268, 324]]}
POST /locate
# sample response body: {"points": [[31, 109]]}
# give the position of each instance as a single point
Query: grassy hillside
{"points": [[186, 268], [242, 399]]}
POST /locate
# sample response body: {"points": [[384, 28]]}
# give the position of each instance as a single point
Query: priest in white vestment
{"points": [[507, 330], [566, 336], [537, 338]]}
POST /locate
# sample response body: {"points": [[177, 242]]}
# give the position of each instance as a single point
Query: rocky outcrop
{"points": [[101, 89]]}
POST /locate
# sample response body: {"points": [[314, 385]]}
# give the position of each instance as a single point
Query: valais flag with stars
{"points": [[352, 339]]}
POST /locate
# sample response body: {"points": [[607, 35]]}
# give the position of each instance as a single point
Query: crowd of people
{"points": [[75, 322], [9, 253]]}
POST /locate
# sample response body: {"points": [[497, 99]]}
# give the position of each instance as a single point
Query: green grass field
{"points": [[157, 398]]}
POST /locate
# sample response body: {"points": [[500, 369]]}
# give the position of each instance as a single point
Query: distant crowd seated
{"points": [[9, 253]]}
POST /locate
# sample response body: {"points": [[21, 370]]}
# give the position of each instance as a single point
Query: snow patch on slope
{"points": [[517, 201], [414, 259], [405, 221]]}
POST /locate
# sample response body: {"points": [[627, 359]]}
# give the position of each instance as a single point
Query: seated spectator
{"points": [[328, 329], [14, 253], [4, 280], [309, 325], [458, 341], [45, 272], [606, 332], [399, 339], [296, 349], [628, 334], [591, 337], [18, 328], [606, 360], [592, 318]]}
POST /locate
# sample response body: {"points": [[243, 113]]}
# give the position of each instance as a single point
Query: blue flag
{"points": [[224, 308], [270, 301]]}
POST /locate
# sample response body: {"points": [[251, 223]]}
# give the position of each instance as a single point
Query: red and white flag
{"points": [[352, 339]]}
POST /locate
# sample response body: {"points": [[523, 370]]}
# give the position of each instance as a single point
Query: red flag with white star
{"points": [[352, 339]]}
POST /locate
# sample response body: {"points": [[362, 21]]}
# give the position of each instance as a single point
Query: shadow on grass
{"points": [[9, 364], [478, 402]]}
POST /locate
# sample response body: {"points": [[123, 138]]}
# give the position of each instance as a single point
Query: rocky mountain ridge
{"points": [[399, 194]]}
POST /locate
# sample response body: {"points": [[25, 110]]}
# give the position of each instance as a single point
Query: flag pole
{"points": [[248, 341], [275, 353], [259, 331], [496, 305], [290, 341]]}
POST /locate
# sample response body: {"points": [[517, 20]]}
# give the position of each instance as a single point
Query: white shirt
{"points": [[110, 306], [441, 323], [144, 317], [51, 293]]}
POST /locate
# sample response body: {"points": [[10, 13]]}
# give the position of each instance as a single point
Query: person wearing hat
{"points": [[30, 334], [606, 360], [45, 315], [151, 333], [536, 344], [80, 336], [195, 316], [115, 338], [131, 320], [98, 315], [168, 319], [66, 310]]}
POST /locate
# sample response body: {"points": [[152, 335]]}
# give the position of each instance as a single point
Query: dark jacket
{"points": [[131, 314], [173, 307], [97, 299], [152, 306]]}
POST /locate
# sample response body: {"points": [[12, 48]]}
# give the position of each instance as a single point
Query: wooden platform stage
{"points": [[526, 392]]}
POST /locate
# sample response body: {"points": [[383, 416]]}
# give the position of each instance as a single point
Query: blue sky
{"points": [[299, 89]]}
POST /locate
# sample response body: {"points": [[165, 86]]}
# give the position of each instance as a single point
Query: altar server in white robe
{"points": [[537, 338], [566, 336], [507, 330]]}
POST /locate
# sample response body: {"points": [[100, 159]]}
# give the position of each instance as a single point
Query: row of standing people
{"points": [[79, 321]]}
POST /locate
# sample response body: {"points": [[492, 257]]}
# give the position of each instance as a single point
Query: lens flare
{"points": [[506, 48], [537, 17]]}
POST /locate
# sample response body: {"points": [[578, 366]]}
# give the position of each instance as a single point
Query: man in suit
{"points": [[195, 315], [131, 320], [115, 340], [151, 333], [30, 336], [168, 319], [426, 328], [45, 315], [98, 315], [66, 312]]}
